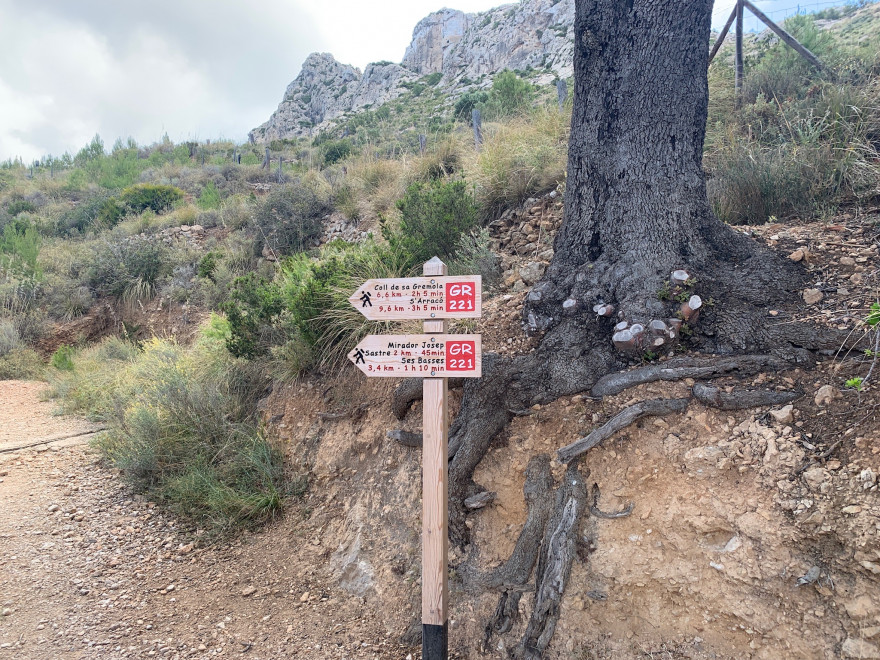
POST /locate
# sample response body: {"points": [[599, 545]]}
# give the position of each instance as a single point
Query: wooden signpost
{"points": [[420, 298], [433, 356], [405, 356]]}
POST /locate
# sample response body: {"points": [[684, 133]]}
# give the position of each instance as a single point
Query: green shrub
{"points": [[210, 197], [780, 72], [433, 217], [83, 215], [19, 206], [314, 293], [183, 426], [432, 78], [466, 103], [21, 364], [67, 299], [207, 265], [119, 267], [253, 311], [110, 213], [336, 150], [62, 358], [19, 249], [510, 95], [304, 317], [289, 217], [157, 198]]}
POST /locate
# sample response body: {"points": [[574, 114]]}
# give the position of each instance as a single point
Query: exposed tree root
{"points": [[506, 614], [594, 507], [406, 438], [685, 367], [558, 551], [620, 421], [409, 391], [516, 570], [737, 400], [480, 500]]}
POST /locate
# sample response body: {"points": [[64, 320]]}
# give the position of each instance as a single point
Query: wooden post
{"points": [[266, 163], [423, 143], [561, 93], [738, 61], [722, 35], [435, 516], [785, 36], [478, 132]]}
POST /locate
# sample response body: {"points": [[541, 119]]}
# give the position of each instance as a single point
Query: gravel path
{"points": [[90, 570]]}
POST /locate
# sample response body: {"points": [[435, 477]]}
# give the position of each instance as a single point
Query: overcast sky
{"points": [[195, 69]]}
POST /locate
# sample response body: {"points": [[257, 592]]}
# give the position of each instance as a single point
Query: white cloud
{"points": [[194, 68]]}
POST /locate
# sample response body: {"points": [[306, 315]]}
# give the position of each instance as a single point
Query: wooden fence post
{"points": [[722, 35], [561, 93], [738, 60], [435, 515], [478, 123], [265, 164], [785, 36]]}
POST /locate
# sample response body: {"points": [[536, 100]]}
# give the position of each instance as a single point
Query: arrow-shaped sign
{"points": [[458, 297], [430, 356]]}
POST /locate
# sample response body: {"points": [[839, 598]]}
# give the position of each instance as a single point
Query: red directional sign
{"points": [[431, 356], [438, 297]]}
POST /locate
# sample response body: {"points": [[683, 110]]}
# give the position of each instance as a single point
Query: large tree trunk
{"points": [[636, 209], [635, 201]]}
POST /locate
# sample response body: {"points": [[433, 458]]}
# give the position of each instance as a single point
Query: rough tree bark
{"points": [[636, 210]]}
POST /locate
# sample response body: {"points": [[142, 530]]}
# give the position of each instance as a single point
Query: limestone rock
{"points": [[815, 477], [859, 648], [860, 608], [532, 272], [784, 415], [467, 49], [825, 395], [812, 296]]}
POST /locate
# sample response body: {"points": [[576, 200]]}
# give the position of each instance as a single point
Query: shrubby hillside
{"points": [[133, 243]]}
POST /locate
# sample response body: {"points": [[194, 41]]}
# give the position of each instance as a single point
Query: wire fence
{"points": [[751, 23]]}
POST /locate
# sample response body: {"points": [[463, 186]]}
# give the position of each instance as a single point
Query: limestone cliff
{"points": [[467, 49]]}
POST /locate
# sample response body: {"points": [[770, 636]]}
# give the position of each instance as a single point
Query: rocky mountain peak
{"points": [[467, 49]]}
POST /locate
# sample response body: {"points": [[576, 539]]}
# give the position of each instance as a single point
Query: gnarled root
{"points": [[558, 551], [685, 367], [738, 399], [620, 421], [594, 507], [409, 391]]}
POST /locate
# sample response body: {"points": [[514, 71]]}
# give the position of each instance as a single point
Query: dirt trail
{"points": [[90, 570]]}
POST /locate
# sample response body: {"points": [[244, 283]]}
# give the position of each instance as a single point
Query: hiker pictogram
{"points": [[365, 299]]}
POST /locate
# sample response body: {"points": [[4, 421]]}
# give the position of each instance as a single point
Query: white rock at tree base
{"points": [[812, 296], [859, 648], [532, 272], [825, 395], [784, 415]]}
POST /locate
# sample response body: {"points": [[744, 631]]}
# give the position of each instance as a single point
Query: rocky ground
{"points": [[755, 533], [91, 570]]}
